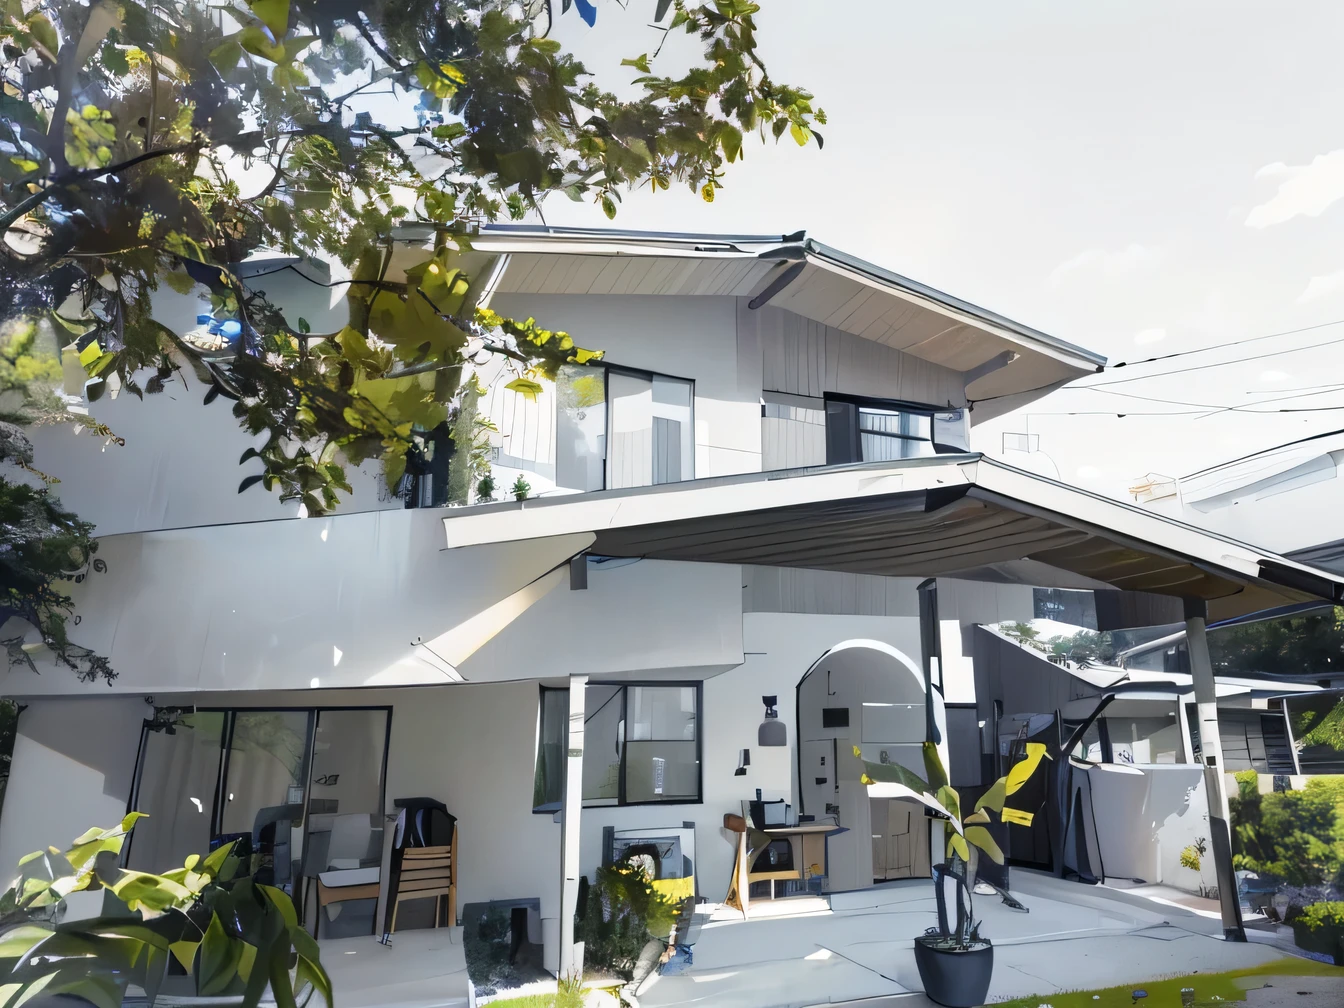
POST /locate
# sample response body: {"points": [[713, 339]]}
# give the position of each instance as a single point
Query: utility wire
{"points": [[1181, 353]]}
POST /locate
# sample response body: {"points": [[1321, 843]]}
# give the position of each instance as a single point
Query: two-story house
{"points": [[729, 520]]}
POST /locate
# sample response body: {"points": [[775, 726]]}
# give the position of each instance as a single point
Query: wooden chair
{"points": [[426, 872], [342, 885]]}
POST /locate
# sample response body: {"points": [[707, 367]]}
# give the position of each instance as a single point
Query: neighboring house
{"points": [[1140, 756], [1284, 498], [739, 502]]}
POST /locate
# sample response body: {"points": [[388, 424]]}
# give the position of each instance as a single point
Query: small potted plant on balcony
{"points": [[955, 961]]}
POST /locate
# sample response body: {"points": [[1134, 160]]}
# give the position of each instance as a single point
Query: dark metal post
{"points": [[932, 652]]}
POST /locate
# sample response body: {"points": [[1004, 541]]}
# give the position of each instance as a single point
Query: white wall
{"points": [[1145, 816], [72, 768], [319, 602], [645, 616], [179, 465]]}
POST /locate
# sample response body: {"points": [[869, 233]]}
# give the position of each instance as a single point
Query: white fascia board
{"points": [[600, 510]]}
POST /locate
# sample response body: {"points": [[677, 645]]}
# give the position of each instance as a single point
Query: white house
{"points": [[741, 503]]}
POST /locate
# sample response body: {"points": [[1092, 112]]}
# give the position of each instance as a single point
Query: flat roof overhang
{"points": [[958, 516]]}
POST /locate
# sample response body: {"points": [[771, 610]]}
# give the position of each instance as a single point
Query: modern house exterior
{"points": [[740, 502]]}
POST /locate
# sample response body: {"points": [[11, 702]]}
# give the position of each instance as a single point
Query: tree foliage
{"points": [[234, 937], [144, 145], [1296, 836], [1297, 645]]}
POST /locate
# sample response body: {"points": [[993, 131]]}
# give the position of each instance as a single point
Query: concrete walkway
{"points": [[861, 947]]}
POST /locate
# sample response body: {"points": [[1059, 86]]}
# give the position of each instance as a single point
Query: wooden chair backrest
{"points": [[426, 871]]}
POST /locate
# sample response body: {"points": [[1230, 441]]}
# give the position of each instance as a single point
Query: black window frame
{"points": [[631, 372], [226, 749], [844, 437], [550, 808]]}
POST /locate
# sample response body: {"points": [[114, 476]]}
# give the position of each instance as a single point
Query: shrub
{"points": [[1295, 836], [624, 911]]}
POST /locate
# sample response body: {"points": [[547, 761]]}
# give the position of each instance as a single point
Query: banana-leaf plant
{"points": [[208, 921], [967, 838]]}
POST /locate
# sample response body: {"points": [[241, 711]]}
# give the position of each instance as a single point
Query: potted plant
{"points": [[955, 961], [225, 937]]}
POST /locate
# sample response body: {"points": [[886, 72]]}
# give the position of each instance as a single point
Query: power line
{"points": [[1182, 353]]}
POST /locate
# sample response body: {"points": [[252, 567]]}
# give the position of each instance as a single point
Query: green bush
{"points": [[1323, 915], [1296, 836], [624, 911]]}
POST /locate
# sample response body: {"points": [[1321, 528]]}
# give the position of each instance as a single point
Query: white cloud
{"points": [[1304, 190], [1109, 263], [1321, 286], [1146, 336]]}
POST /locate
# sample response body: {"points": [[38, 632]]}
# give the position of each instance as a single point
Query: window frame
{"points": [[631, 372], [854, 434], [550, 808], [230, 714]]}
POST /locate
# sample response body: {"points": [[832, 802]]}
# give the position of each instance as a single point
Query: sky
{"points": [[1140, 178]]}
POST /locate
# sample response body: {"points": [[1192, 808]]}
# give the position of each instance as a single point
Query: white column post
{"points": [[1211, 754], [571, 806]]}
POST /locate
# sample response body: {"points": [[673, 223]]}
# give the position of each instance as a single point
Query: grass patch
{"points": [[1211, 989]]}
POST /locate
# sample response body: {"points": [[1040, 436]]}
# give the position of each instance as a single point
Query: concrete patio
{"points": [[861, 947], [853, 947]]}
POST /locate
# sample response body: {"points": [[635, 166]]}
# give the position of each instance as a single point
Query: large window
{"points": [[300, 791], [860, 430], [621, 428], [641, 745]]}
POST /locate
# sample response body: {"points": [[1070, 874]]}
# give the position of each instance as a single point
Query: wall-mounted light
{"points": [[743, 761], [772, 731]]}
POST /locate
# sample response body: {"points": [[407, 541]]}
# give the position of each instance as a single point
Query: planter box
{"points": [[1327, 940]]}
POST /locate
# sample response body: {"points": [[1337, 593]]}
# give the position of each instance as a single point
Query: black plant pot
{"points": [[957, 978]]}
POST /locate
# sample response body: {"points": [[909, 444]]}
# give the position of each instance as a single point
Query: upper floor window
{"points": [[867, 430], [616, 427]]}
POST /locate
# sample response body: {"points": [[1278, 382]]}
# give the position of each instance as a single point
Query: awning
{"points": [[962, 516]]}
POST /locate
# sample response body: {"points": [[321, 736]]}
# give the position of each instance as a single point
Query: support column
{"points": [[571, 807], [1211, 754]]}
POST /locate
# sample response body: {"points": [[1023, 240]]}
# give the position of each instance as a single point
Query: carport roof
{"points": [[961, 516]]}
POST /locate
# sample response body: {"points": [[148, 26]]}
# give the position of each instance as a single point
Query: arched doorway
{"points": [[868, 694]]}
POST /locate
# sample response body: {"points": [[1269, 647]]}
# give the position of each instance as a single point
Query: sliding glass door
{"points": [[300, 791]]}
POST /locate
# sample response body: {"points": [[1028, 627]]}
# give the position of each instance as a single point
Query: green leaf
{"points": [[219, 960], [730, 139], [608, 206], [18, 941], [180, 281], [185, 953], [800, 133], [525, 387], [640, 63], [274, 14]]}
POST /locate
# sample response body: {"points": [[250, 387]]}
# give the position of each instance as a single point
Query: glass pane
{"points": [[548, 784], [895, 422], [265, 791], [1145, 740], [179, 773], [580, 427], [673, 434], [661, 713], [880, 448], [345, 808], [630, 450], [602, 729], [661, 771]]}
